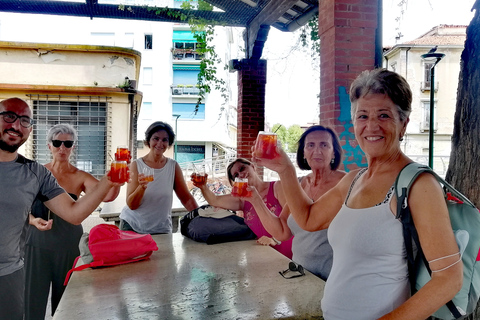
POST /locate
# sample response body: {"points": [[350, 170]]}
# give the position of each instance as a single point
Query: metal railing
{"points": [[215, 167]]}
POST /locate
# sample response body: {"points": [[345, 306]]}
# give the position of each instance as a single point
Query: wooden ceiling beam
{"points": [[267, 17]]}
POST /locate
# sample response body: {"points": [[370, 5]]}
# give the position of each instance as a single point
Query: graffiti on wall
{"points": [[353, 154]]}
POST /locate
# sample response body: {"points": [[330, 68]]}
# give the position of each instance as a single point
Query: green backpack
{"points": [[465, 219]]}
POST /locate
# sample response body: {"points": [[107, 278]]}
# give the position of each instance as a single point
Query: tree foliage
{"points": [[288, 137], [463, 170], [309, 36]]}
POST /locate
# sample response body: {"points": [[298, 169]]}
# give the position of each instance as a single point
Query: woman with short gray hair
{"points": [[52, 243]]}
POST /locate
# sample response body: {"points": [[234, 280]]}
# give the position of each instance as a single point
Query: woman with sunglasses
{"points": [[266, 197], [52, 243]]}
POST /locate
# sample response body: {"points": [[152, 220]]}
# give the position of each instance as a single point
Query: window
{"points": [[127, 40], [185, 79], [147, 76], [185, 46], [145, 118], [146, 111], [187, 111], [427, 74], [89, 117], [425, 124], [148, 42], [103, 38]]}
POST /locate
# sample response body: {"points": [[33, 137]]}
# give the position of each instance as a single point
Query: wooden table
{"points": [[185, 279]]}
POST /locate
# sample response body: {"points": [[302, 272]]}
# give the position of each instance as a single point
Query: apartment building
{"points": [[166, 79], [406, 59]]}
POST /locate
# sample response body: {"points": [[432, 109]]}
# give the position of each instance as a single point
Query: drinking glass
{"points": [[122, 154], [266, 145], [119, 172], [148, 174], [240, 188]]}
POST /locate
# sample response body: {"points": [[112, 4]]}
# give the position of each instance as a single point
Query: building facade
{"points": [[81, 85], [406, 60], [166, 81]]}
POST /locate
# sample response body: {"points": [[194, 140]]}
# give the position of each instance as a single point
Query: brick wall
{"points": [[252, 79], [347, 34]]}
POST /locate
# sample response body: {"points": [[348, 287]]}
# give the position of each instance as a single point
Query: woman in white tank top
{"points": [[149, 203], [369, 273]]}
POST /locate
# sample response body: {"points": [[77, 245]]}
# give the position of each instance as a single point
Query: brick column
{"points": [[347, 31], [252, 79]]}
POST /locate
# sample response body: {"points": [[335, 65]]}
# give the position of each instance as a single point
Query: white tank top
{"points": [[369, 276], [155, 211]]}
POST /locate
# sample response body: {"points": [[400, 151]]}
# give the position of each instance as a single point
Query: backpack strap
{"points": [[404, 181], [95, 264]]}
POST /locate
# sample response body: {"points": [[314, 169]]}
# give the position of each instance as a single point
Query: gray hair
{"points": [[61, 128], [382, 81]]}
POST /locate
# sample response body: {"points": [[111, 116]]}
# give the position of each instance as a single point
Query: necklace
{"points": [[314, 195]]}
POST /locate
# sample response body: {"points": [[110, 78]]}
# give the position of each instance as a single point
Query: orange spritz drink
{"points": [[266, 145], [240, 188], [119, 172]]}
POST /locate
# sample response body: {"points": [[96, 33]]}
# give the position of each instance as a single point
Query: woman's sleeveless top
{"points": [[154, 215], [369, 276], [254, 223]]}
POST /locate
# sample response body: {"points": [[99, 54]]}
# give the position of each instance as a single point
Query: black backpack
{"points": [[214, 225]]}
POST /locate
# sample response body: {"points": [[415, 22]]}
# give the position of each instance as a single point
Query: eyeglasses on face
{"points": [[11, 117], [294, 270], [67, 143]]}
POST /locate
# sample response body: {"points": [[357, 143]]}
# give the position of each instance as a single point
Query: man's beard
{"points": [[9, 148]]}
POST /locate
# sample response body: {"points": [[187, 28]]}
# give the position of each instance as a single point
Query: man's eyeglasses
{"points": [[294, 270], [67, 143], [11, 117]]}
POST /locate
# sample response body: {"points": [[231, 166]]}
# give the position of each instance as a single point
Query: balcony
{"points": [[425, 126], [185, 90], [186, 54], [425, 86]]}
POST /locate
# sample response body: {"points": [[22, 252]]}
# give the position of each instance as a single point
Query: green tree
{"points": [[293, 134], [288, 137]]}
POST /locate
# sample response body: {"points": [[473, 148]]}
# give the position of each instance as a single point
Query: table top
{"points": [[185, 279]]}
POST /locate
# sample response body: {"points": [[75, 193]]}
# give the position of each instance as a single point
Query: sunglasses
{"points": [[67, 143], [294, 270]]}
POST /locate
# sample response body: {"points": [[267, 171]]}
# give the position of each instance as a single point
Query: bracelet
{"points": [[276, 241]]}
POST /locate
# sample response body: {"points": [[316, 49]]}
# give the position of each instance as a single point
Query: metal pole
{"points": [[432, 117], [176, 137], [430, 56]]}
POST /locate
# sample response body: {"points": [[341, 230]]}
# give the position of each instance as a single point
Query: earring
{"points": [[333, 160], [401, 139]]}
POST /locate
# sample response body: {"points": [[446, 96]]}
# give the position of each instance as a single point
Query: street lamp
{"points": [[436, 57], [176, 137]]}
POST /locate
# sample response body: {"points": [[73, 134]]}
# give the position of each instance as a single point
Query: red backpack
{"points": [[107, 245]]}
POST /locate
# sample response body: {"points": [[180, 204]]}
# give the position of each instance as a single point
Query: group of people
{"points": [[340, 226]]}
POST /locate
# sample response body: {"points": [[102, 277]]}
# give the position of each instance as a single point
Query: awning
{"points": [[186, 67], [183, 36]]}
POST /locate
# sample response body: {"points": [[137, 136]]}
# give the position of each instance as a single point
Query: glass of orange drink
{"points": [[119, 172], [265, 146], [240, 188]]}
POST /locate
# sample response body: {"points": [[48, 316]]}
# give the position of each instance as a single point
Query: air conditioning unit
{"points": [[177, 91]]}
